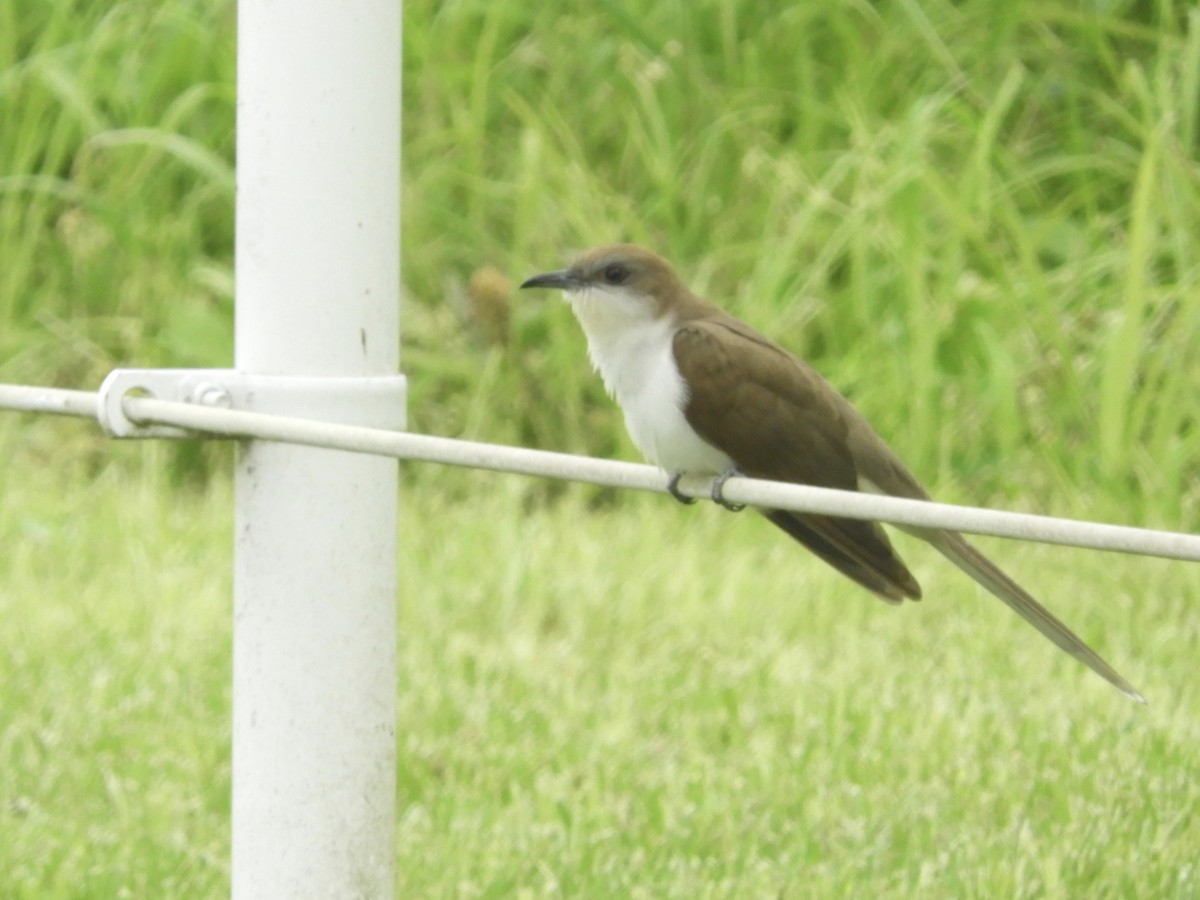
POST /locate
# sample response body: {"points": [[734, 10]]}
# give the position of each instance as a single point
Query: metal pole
{"points": [[314, 663]]}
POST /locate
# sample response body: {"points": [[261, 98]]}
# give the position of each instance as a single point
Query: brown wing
{"points": [[778, 419]]}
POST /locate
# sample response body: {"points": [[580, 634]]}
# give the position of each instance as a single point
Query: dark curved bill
{"points": [[562, 281]]}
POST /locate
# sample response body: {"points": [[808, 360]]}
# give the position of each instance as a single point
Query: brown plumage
{"points": [[779, 420], [768, 414]]}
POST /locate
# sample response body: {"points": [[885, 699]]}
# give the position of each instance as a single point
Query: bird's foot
{"points": [[718, 486], [673, 490]]}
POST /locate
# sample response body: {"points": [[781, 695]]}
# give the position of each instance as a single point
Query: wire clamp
{"points": [[374, 401]]}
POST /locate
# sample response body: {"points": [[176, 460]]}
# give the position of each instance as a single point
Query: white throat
{"points": [[630, 345]]}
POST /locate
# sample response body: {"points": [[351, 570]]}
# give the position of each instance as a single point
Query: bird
{"points": [[703, 393]]}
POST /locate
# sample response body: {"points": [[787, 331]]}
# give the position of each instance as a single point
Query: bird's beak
{"points": [[563, 281]]}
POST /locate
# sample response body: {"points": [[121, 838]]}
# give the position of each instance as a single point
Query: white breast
{"points": [[633, 355]]}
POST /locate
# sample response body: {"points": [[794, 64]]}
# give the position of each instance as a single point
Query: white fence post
{"points": [[317, 284]]}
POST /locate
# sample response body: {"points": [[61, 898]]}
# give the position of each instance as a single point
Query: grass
{"points": [[115, 732], [633, 723], [584, 732], [980, 219]]}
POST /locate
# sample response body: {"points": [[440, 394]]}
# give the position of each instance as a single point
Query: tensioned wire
{"points": [[232, 423]]}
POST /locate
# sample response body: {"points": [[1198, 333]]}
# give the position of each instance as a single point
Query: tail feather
{"points": [[955, 548], [865, 555]]}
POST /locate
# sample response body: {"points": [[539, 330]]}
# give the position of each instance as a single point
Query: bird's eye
{"points": [[615, 273]]}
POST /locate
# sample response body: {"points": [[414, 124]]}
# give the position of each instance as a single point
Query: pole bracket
{"points": [[377, 401]]}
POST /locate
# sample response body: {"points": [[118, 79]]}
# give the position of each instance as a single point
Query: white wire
{"points": [[55, 401], [610, 473]]}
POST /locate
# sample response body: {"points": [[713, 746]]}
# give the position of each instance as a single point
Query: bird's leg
{"points": [[673, 490], [719, 484]]}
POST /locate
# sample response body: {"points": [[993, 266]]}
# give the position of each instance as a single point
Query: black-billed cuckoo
{"points": [[704, 394]]}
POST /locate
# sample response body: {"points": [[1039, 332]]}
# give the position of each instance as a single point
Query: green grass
{"points": [[595, 713], [114, 735], [981, 219]]}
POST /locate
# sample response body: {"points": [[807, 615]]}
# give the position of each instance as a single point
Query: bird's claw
{"points": [[673, 490], [718, 486]]}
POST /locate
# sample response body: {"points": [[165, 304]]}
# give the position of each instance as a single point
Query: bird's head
{"points": [[616, 282]]}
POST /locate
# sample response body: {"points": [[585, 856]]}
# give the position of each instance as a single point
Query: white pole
{"points": [[317, 282]]}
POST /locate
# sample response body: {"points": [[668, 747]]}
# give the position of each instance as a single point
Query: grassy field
{"points": [[980, 219], [592, 716]]}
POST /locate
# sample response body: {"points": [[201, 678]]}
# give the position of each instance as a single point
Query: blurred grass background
{"points": [[979, 219]]}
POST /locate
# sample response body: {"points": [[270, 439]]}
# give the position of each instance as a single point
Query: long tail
{"points": [[955, 548]]}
